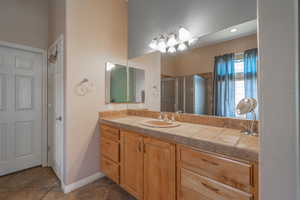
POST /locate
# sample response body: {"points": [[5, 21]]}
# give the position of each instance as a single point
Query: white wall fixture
{"points": [[172, 43], [84, 87]]}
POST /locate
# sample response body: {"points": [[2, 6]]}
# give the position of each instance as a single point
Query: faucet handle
{"points": [[160, 117]]}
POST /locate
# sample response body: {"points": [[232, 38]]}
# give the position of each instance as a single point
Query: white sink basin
{"points": [[160, 124]]}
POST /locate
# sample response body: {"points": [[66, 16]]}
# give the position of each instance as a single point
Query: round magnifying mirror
{"points": [[246, 105]]}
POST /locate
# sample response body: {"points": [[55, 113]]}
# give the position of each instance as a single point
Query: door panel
{"points": [[132, 163], [24, 93], [23, 138], [3, 142], [3, 91], [159, 170], [20, 109]]}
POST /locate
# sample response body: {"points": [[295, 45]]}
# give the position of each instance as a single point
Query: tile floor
{"points": [[41, 184]]}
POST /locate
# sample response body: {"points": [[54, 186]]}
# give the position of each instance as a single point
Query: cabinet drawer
{"points": [[110, 149], [110, 169], [110, 132], [230, 172], [195, 187]]}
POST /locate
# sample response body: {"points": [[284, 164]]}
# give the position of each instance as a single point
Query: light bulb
{"points": [[171, 50], [153, 44], [162, 43], [172, 40], [163, 50], [182, 47], [184, 34], [233, 30]]}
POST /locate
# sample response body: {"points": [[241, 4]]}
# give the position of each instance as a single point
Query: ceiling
{"points": [[244, 29]]}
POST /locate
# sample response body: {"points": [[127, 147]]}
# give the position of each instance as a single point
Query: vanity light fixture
{"points": [[182, 47], [171, 43], [233, 30], [172, 50]]}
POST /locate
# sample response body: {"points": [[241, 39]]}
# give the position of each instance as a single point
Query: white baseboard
{"points": [[81, 183]]}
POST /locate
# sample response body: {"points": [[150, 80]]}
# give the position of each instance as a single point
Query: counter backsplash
{"points": [[209, 120]]}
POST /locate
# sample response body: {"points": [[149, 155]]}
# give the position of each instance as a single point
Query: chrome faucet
{"points": [[166, 117]]}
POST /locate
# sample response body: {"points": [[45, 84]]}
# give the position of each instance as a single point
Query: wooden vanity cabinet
{"points": [[152, 169]]}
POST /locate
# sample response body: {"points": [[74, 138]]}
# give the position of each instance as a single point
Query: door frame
{"points": [[43, 53], [60, 41]]}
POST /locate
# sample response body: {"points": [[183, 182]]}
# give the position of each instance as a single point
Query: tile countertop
{"points": [[229, 142]]}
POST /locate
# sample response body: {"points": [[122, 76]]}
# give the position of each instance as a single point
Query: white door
{"points": [[55, 107], [20, 109]]}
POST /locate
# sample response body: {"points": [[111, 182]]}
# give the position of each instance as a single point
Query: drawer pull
{"points": [[210, 162], [210, 187]]}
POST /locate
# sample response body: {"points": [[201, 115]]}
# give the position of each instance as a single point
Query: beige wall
{"points": [[24, 22], [96, 32], [201, 60], [56, 21], [151, 63]]}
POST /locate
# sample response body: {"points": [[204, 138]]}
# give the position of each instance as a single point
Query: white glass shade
{"points": [[192, 41], [153, 44], [171, 50], [184, 34], [162, 43], [172, 40], [182, 47], [163, 50]]}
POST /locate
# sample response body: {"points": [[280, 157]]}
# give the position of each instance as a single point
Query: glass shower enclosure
{"points": [[185, 93]]}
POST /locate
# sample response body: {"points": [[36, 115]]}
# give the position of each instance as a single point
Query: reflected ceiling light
{"points": [[233, 30], [184, 34], [172, 50], [109, 66], [153, 44], [172, 41], [182, 47]]}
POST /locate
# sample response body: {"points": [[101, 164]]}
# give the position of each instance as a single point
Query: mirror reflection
{"points": [[211, 79], [124, 84]]}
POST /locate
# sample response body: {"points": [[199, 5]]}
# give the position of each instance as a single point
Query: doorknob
{"points": [[59, 118]]}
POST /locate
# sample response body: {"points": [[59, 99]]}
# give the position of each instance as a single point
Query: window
{"points": [[239, 80]]}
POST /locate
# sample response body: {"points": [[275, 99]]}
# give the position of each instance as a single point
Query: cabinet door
{"points": [[132, 163], [159, 170]]}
